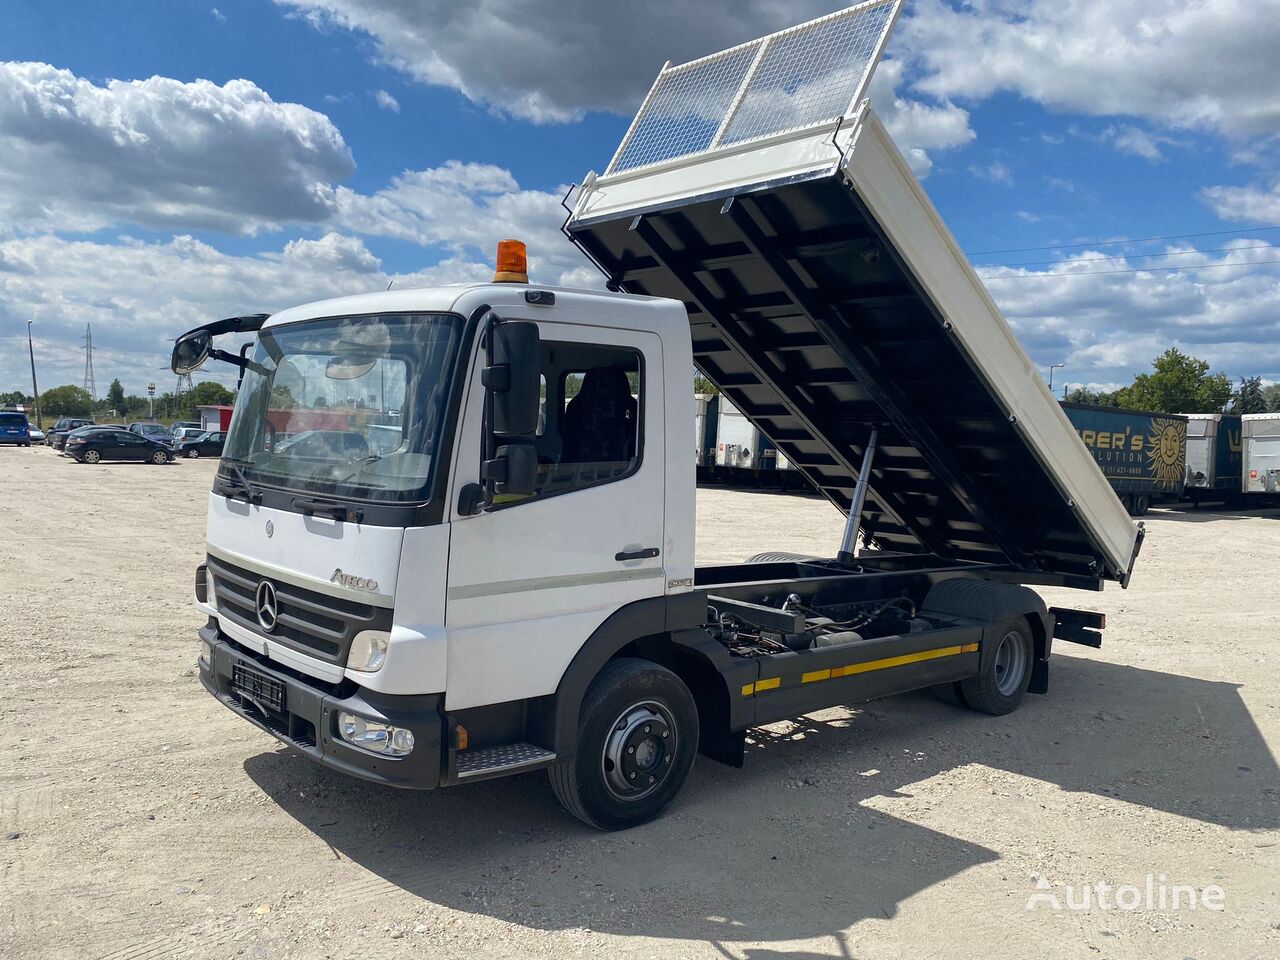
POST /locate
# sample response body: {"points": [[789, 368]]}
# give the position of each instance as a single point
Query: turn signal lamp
{"points": [[513, 262]]}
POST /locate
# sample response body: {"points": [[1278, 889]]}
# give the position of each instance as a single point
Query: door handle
{"points": [[648, 553]]}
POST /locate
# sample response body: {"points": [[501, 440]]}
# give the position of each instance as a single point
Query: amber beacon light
{"points": [[513, 262]]}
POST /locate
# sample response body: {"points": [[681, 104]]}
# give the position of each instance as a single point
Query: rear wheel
{"points": [[637, 738], [192, 453], [91, 456], [159, 457], [1000, 686]]}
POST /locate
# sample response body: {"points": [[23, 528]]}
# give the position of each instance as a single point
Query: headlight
{"points": [[368, 651], [374, 736]]}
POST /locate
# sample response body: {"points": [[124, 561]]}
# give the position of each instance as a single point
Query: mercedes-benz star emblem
{"points": [[271, 529], [267, 605]]}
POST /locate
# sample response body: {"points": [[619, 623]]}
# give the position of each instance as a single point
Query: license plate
{"points": [[259, 687]]}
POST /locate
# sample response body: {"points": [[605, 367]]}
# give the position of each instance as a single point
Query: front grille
{"points": [[311, 622]]}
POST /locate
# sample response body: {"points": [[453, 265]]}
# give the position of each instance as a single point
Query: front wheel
{"points": [[91, 456], [193, 453], [637, 738], [159, 457]]}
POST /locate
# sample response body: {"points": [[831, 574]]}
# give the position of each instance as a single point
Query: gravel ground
{"points": [[141, 819]]}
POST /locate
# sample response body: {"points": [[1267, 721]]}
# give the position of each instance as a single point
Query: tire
{"points": [[91, 456], [628, 703], [159, 457], [1001, 685], [1141, 503], [192, 454]]}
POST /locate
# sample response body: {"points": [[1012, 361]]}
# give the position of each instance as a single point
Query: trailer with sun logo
{"points": [[1143, 455]]}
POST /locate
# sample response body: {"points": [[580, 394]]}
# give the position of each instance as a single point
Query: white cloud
{"points": [[1138, 142], [916, 126], [1184, 63], [158, 152], [1108, 324], [138, 296], [386, 101], [464, 207], [217, 15], [552, 60], [1248, 204], [996, 172]]}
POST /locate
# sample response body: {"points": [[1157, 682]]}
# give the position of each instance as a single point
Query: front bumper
{"points": [[308, 721]]}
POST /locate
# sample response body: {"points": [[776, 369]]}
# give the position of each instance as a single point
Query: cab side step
{"points": [[505, 758]]}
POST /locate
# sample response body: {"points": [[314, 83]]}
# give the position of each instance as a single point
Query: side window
{"points": [[589, 429]]}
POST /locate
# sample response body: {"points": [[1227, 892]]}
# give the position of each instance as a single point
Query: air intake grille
{"points": [[311, 622]]}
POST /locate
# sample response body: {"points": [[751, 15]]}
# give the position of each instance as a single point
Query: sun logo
{"points": [[1167, 451]]}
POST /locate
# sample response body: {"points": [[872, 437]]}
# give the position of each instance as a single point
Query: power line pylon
{"points": [[90, 385]]}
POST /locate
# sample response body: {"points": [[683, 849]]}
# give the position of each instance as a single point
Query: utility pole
{"points": [[35, 391], [1052, 367]]}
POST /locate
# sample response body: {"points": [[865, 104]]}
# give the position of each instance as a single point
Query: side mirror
{"points": [[514, 470], [190, 351], [513, 377]]}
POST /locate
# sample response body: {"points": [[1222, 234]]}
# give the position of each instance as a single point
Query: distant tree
{"points": [[1249, 398], [13, 397], [1180, 383], [1091, 398], [66, 401], [282, 399], [210, 393], [702, 385], [115, 397], [1271, 394], [319, 403]]}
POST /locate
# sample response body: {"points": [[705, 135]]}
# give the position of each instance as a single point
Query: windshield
{"points": [[345, 406]]}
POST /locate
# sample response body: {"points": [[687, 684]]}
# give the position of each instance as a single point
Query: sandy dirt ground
{"points": [[141, 819]]}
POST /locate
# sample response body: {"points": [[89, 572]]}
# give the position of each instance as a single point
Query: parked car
{"points": [[58, 434], [14, 428], [84, 432], [100, 444], [37, 435], [206, 445], [155, 431], [187, 433], [185, 425]]}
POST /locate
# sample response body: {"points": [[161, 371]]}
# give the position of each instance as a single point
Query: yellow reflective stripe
{"points": [[884, 664], [852, 669]]}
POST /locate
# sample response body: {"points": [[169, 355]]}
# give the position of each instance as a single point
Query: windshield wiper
{"points": [[360, 469], [251, 494]]}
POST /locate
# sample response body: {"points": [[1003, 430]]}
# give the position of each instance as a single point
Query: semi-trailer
{"points": [[502, 593], [1260, 466], [1143, 455], [1214, 446]]}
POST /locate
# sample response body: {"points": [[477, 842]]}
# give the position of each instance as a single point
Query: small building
{"points": [[214, 416]]}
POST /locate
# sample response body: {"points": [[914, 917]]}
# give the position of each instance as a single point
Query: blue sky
{"points": [[353, 142]]}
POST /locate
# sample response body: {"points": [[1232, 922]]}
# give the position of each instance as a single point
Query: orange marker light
{"points": [[513, 262]]}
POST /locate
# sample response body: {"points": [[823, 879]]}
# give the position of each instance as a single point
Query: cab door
{"points": [[531, 578]]}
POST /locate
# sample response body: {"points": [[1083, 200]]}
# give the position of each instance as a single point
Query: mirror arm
{"points": [[236, 360]]}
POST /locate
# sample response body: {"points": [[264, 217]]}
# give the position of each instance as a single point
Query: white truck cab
{"points": [[451, 536]]}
